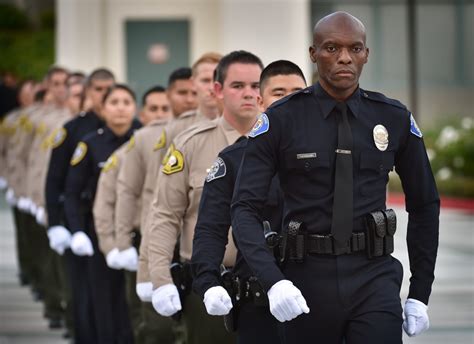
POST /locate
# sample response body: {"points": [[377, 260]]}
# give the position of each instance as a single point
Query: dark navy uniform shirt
{"points": [[297, 139], [87, 161], [74, 131], [213, 221]]}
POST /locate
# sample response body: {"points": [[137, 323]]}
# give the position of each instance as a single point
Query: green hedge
{"points": [[450, 146]]}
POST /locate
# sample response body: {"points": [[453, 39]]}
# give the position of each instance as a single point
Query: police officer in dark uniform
{"points": [[250, 315], [107, 285], [333, 145], [64, 144]]}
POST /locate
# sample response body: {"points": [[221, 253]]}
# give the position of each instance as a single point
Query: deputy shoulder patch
{"points": [[414, 129], [57, 137], [217, 170], [111, 163], [161, 141], [79, 153], [131, 143], [261, 126], [174, 161]]}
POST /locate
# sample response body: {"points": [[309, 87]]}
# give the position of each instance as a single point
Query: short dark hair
{"points": [[280, 67], [183, 73], [239, 56], [118, 87], [77, 77], [55, 69], [100, 74], [154, 89]]}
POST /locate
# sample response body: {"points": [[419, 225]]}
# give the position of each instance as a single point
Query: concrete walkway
{"points": [[451, 307]]}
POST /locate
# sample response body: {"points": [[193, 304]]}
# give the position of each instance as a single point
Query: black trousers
{"points": [[109, 304], [256, 325], [352, 300]]}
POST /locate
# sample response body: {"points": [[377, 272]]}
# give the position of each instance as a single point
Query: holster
{"points": [[181, 275], [296, 241], [232, 285], [380, 227]]}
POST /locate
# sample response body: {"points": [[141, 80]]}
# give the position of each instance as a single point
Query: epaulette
{"points": [[201, 127], [379, 97], [241, 143], [305, 91]]}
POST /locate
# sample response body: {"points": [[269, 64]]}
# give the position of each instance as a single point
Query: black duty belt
{"points": [[325, 244]]}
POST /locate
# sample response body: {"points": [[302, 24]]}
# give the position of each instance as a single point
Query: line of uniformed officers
{"points": [[123, 215]]}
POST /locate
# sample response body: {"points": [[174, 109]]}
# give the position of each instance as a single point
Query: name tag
{"points": [[305, 156]]}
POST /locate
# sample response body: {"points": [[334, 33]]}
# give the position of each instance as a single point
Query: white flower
{"points": [[444, 173], [431, 153], [467, 123], [458, 161], [447, 136]]}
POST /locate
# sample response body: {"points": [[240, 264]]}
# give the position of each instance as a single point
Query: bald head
{"points": [[337, 22]]}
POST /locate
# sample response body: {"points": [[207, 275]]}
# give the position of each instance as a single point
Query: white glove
{"points": [[23, 204], [286, 301], [129, 259], [41, 216], [113, 259], [416, 317], [3, 183], [33, 208], [217, 301], [59, 239], [166, 300], [144, 291], [81, 245], [10, 197]]}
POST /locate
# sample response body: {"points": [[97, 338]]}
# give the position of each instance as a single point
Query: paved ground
{"points": [[451, 305]]}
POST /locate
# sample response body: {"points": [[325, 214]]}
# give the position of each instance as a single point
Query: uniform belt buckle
{"points": [[338, 250]]}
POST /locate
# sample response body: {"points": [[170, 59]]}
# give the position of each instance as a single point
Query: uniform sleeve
{"points": [[56, 179], [258, 167], [129, 190], [104, 209], [143, 272], [165, 221], [422, 204], [211, 232], [76, 183]]}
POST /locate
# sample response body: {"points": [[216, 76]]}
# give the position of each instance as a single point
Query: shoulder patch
{"points": [[131, 143], [57, 137], [174, 161], [111, 163], [217, 170], [79, 153], [41, 129], [161, 142], [414, 129], [307, 90], [261, 126]]}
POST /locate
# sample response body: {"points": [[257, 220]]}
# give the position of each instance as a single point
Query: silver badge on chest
{"points": [[380, 137]]}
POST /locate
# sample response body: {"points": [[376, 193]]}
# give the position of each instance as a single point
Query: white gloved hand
{"points": [[41, 216], [144, 291], [33, 208], [3, 183], [23, 204], [81, 245], [217, 301], [10, 197], [166, 300], [59, 239], [113, 259], [416, 317], [286, 301], [129, 259]]}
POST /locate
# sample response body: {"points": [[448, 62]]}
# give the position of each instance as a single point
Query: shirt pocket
{"points": [[308, 174], [374, 169]]}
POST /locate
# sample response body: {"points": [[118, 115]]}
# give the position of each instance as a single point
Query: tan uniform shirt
{"points": [[7, 130], [40, 151], [19, 150], [175, 127], [105, 201], [142, 153], [180, 186]]}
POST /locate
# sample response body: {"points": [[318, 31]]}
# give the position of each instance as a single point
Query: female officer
{"points": [[108, 305]]}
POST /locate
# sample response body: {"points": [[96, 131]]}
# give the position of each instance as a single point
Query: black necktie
{"points": [[342, 211]]}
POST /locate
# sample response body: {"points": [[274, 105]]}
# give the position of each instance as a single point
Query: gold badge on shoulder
{"points": [[380, 137]]}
